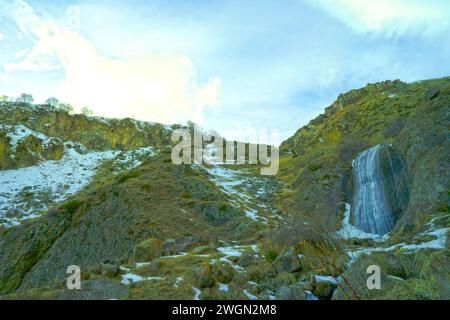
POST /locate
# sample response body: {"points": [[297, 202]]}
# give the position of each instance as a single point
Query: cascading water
{"points": [[371, 210]]}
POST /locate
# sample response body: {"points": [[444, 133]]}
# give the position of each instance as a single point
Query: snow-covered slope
{"points": [[25, 192]]}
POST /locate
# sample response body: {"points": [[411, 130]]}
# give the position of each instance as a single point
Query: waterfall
{"points": [[371, 212]]}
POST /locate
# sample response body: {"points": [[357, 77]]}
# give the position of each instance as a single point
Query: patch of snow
{"points": [[438, 243], [252, 214], [48, 182], [124, 269], [311, 296], [349, 231], [329, 279], [224, 287], [142, 264], [197, 293], [181, 254], [131, 159], [236, 267], [231, 251], [237, 250], [17, 133], [129, 278], [249, 295], [178, 281]]}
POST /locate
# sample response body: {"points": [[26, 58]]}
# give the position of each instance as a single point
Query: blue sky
{"points": [[228, 65]]}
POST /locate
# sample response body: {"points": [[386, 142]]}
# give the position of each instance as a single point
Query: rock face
{"points": [[93, 132], [397, 184], [20, 147]]}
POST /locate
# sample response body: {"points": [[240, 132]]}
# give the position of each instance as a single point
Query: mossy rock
{"points": [[148, 250]]}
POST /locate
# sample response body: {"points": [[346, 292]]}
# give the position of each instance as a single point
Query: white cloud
{"points": [[2, 36], [391, 17], [157, 87]]}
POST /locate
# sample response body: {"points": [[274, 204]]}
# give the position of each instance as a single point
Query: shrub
{"points": [[127, 176], [71, 206], [271, 255]]}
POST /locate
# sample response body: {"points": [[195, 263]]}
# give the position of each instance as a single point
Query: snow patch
{"points": [[131, 159], [18, 133], [130, 278], [249, 295], [328, 279], [349, 231], [46, 183], [224, 287], [197, 293]]}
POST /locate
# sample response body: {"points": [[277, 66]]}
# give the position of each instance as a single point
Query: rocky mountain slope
{"points": [[104, 195]]}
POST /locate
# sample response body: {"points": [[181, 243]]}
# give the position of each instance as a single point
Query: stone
{"points": [[246, 260], [178, 245], [203, 250], [224, 273], [148, 250], [287, 262], [290, 293], [206, 277], [109, 270], [323, 289]]}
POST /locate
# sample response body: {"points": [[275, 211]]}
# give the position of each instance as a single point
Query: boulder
{"points": [[287, 262], [323, 287], [290, 293], [178, 245], [109, 270], [148, 250], [206, 277], [203, 250], [224, 273], [246, 260]]}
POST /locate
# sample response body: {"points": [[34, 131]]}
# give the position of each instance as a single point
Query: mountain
{"points": [[365, 183]]}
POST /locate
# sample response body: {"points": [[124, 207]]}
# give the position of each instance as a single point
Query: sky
{"points": [[227, 65]]}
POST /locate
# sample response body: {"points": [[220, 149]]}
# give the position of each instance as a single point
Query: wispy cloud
{"points": [[158, 86], [390, 17]]}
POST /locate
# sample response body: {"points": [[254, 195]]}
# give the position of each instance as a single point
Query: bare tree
{"points": [[65, 107], [87, 111], [52, 102], [25, 98]]}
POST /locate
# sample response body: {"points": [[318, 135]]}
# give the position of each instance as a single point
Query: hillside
{"points": [[103, 194]]}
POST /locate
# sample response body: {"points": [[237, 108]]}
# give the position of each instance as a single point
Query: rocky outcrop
{"points": [[94, 132], [288, 261], [397, 184]]}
